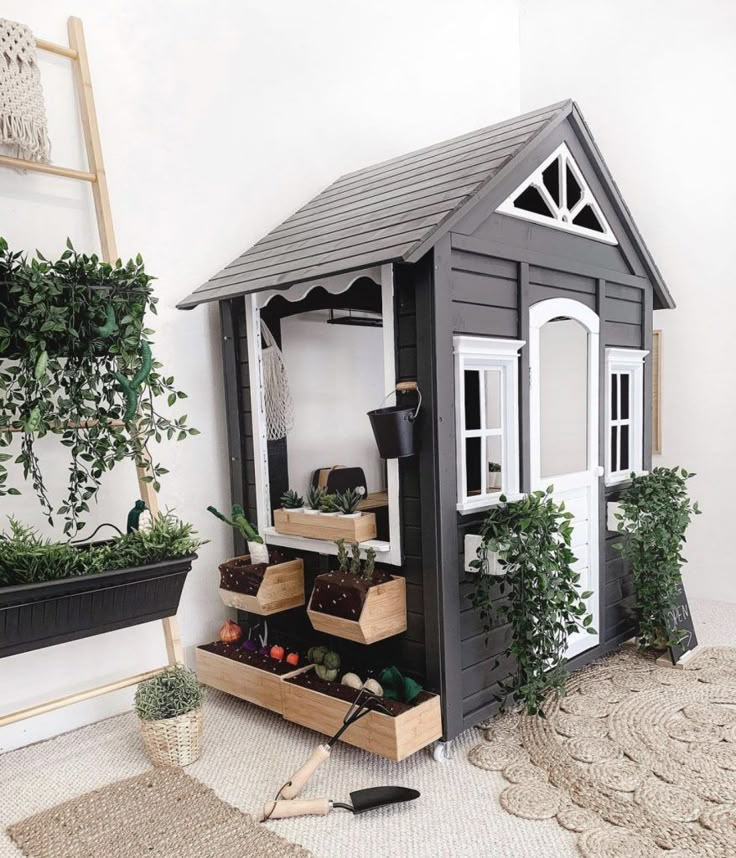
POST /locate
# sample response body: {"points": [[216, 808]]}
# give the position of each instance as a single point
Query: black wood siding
{"points": [[406, 651], [490, 296]]}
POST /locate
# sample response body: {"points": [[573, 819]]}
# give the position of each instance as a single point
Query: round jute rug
{"points": [[639, 760]]}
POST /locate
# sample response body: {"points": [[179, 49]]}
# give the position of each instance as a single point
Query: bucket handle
{"points": [[407, 387]]}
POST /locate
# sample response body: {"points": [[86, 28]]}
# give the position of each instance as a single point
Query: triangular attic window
{"points": [[557, 195]]}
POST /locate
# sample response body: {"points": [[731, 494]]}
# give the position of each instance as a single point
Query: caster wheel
{"points": [[441, 752]]}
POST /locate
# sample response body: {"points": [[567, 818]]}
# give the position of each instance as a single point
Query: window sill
{"points": [[617, 480], [468, 507], [325, 546]]}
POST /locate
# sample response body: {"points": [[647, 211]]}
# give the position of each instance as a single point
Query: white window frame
{"points": [[387, 552], [562, 217], [631, 362], [481, 354]]}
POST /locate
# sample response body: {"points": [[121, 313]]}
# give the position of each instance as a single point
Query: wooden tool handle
{"points": [[403, 386], [305, 807], [298, 779]]}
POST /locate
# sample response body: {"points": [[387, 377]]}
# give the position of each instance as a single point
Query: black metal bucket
{"points": [[393, 428]]}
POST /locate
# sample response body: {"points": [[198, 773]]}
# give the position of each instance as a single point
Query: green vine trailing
{"points": [[75, 359], [654, 514], [538, 594]]}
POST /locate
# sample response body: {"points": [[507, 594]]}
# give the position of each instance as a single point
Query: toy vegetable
{"points": [[398, 687], [230, 632], [257, 550], [277, 652]]}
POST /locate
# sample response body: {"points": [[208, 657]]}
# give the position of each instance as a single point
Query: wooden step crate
{"points": [[241, 680], [329, 527], [281, 589], [383, 615], [392, 737]]}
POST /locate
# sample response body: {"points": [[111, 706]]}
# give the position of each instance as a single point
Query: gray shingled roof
{"points": [[397, 210], [382, 213]]}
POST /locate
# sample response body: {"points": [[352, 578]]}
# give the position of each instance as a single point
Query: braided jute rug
{"points": [[163, 813], [638, 759]]}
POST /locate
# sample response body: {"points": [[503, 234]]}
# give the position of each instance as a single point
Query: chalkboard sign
{"points": [[680, 618]]}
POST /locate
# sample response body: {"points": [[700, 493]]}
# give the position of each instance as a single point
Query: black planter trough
{"points": [[33, 616]]}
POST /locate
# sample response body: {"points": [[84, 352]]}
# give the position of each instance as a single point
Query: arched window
{"points": [[557, 195]]}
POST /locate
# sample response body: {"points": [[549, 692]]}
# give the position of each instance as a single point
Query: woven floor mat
{"points": [[163, 812], [639, 759]]}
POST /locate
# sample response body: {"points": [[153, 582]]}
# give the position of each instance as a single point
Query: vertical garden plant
{"points": [[76, 360]]}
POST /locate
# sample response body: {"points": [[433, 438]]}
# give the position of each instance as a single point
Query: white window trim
{"points": [[563, 217], [630, 361], [482, 353], [388, 552]]}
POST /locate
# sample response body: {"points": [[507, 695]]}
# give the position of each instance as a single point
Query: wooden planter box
{"points": [[282, 588], [33, 616], [392, 737], [241, 680], [383, 615], [329, 527]]}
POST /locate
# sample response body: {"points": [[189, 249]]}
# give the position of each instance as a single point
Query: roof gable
{"points": [[392, 211]]}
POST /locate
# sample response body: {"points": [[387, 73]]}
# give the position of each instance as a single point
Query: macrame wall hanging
{"points": [[23, 126], [276, 392]]}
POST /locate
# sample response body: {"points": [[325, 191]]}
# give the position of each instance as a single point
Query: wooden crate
{"points": [[393, 738], [241, 680], [282, 588], [330, 527], [383, 615]]}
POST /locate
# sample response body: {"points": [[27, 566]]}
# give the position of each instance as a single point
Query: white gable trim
{"points": [[562, 216]]}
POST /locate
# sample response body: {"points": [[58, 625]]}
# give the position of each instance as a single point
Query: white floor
{"points": [[249, 753]]}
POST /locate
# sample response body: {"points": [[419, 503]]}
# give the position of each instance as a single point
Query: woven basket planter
{"points": [[174, 741]]}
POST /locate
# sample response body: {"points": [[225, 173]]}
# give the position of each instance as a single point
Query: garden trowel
{"points": [[362, 800]]}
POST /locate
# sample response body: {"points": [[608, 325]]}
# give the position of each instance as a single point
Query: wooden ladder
{"points": [[95, 176]]}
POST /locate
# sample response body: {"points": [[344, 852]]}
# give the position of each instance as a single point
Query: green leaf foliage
{"points": [[75, 360], [26, 557], [175, 691], [655, 513], [538, 596]]}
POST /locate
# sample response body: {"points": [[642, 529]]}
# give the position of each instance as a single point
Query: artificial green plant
{"points": [[538, 594], [653, 517], [75, 360]]}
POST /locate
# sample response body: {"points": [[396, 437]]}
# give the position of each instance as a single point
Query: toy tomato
{"points": [[293, 658], [277, 652]]}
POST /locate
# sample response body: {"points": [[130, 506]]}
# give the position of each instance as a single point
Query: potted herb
{"points": [[494, 475], [314, 499], [53, 592], [169, 707], [292, 501], [357, 600], [76, 360], [347, 502], [264, 581]]}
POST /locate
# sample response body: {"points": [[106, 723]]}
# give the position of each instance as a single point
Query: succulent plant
{"points": [[291, 499], [328, 503], [370, 564], [348, 501], [355, 562], [314, 496], [342, 557]]}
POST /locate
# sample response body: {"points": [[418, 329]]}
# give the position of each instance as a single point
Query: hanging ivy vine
{"points": [[76, 360], [538, 594], [653, 517]]}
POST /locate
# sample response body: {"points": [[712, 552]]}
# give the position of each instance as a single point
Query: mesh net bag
{"points": [[276, 392]]}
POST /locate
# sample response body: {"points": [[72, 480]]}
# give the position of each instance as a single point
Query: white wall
{"points": [[336, 377], [218, 120], [655, 82]]}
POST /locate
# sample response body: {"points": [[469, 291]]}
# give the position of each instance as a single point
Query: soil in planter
{"points": [[343, 595], [309, 679], [240, 576], [254, 659]]}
